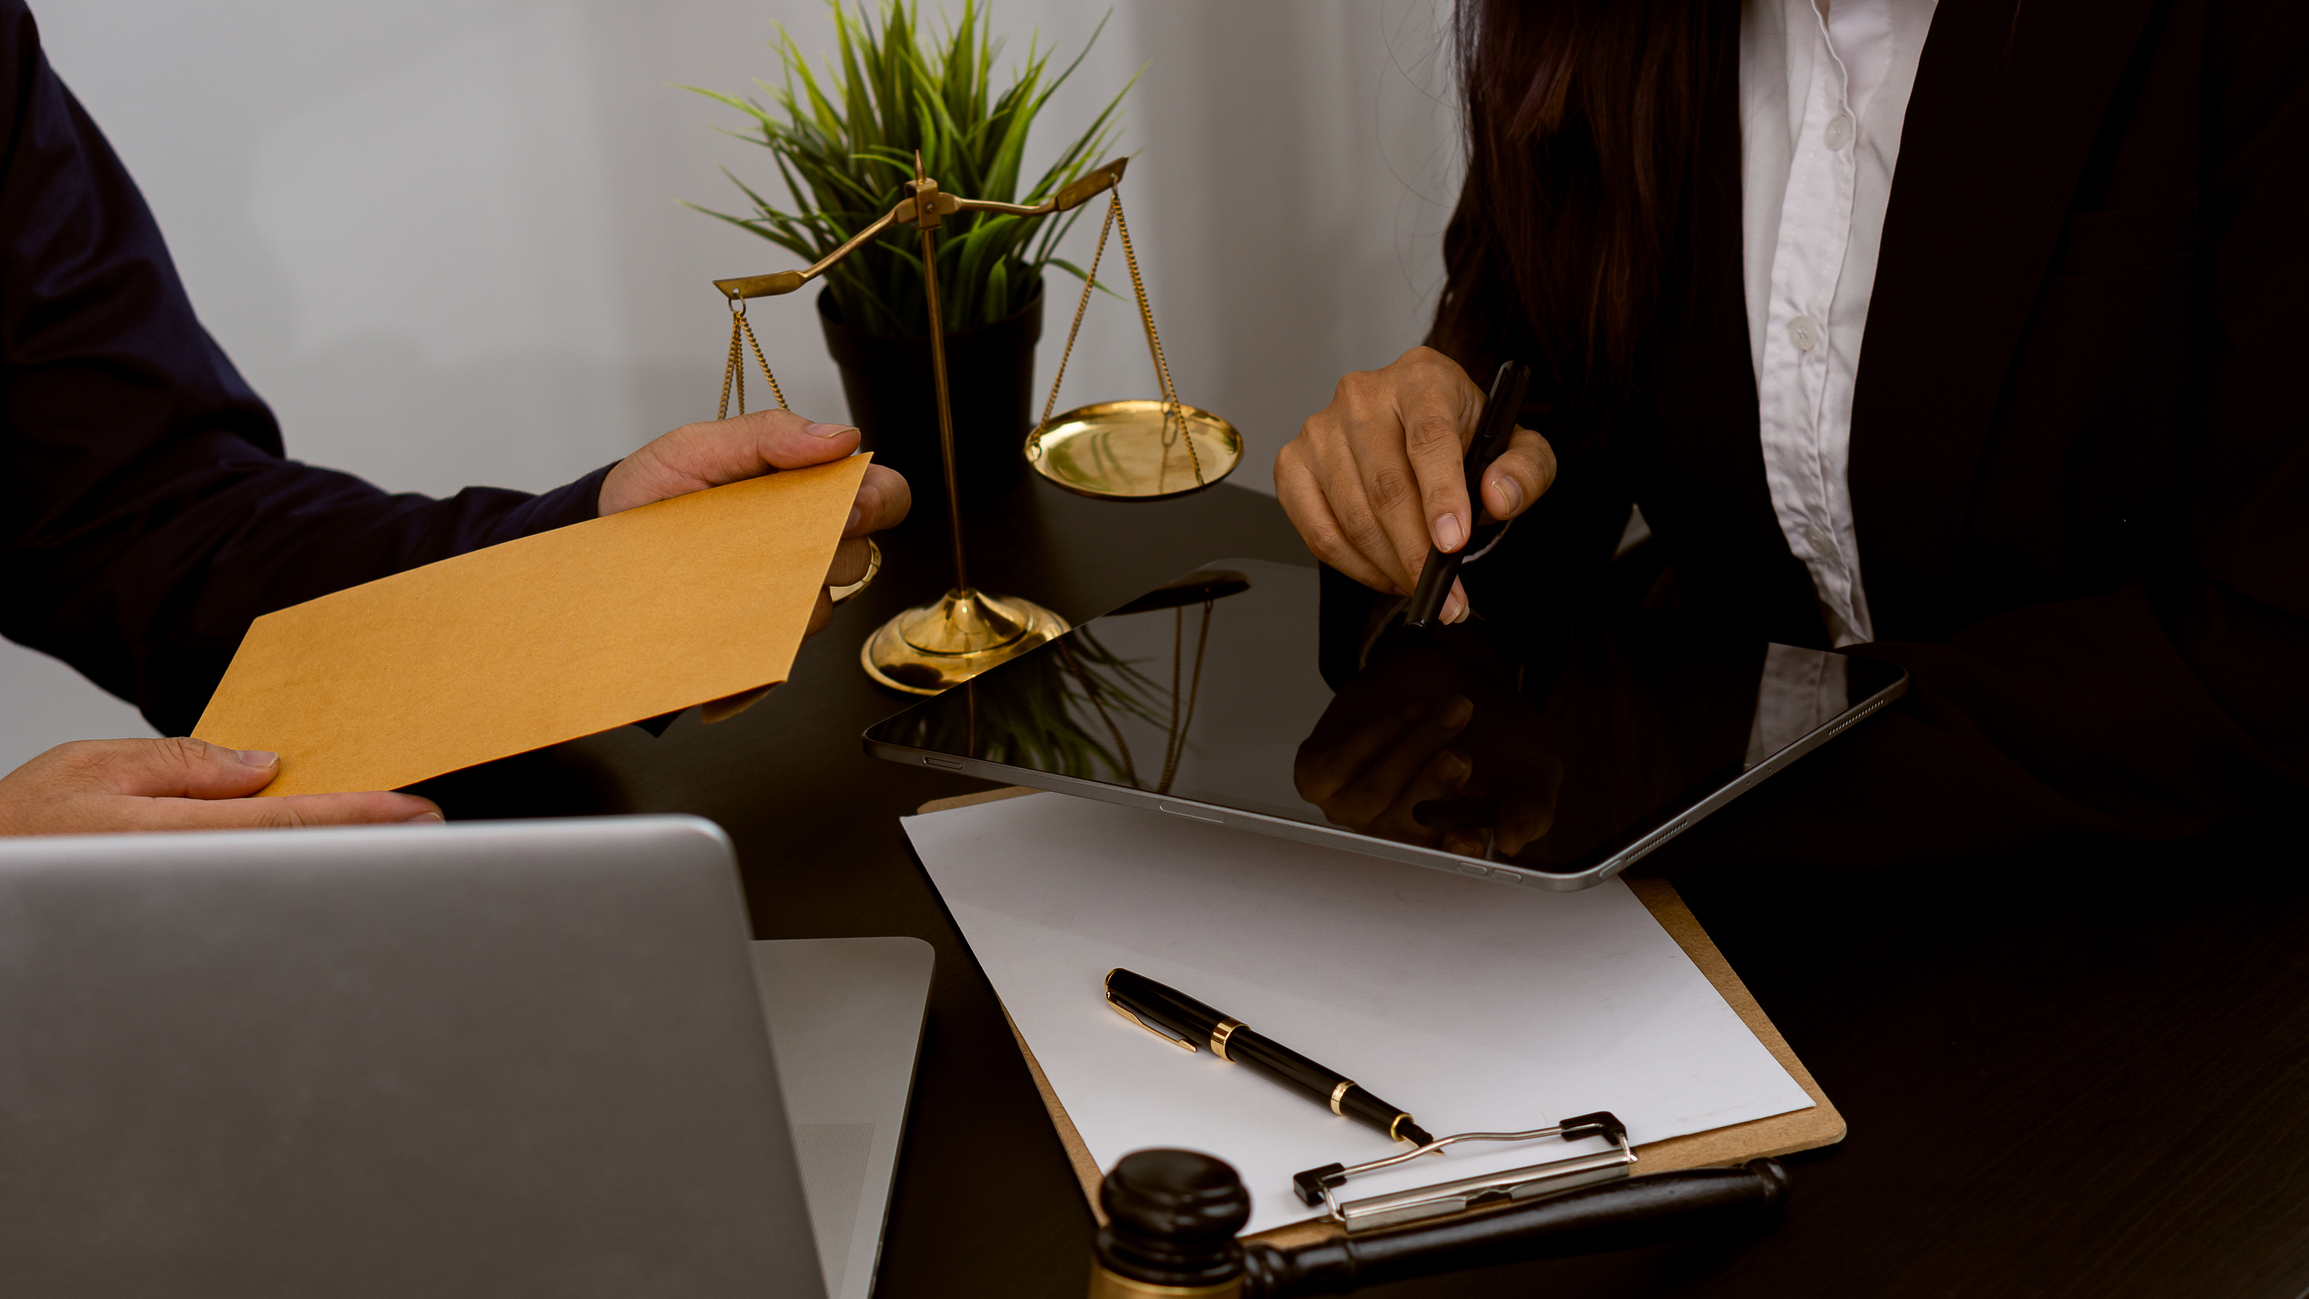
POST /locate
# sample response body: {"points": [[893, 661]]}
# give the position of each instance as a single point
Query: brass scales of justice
{"points": [[1140, 450]]}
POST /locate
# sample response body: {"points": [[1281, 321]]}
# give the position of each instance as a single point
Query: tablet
{"points": [[1547, 756]]}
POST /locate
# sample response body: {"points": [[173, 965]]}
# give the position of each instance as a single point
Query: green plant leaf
{"points": [[844, 136]]}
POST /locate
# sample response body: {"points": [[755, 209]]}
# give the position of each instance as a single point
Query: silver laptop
{"points": [[511, 1059]]}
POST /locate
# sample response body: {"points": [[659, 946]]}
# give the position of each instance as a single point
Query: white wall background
{"points": [[441, 236]]}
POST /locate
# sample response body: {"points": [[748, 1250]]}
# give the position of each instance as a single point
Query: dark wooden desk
{"points": [[2085, 1083]]}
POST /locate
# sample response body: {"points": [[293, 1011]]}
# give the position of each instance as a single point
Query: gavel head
{"points": [[1171, 1219]]}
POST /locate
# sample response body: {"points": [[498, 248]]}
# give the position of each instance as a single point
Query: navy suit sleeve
{"points": [[150, 514]]}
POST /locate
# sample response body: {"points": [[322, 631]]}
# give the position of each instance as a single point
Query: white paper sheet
{"points": [[1476, 1006]]}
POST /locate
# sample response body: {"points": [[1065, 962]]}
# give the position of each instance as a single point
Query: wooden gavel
{"points": [[1173, 1218]]}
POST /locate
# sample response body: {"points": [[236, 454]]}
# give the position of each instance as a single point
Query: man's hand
{"points": [[1377, 475], [98, 786], [697, 456]]}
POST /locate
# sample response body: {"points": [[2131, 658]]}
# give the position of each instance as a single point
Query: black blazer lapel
{"points": [[2009, 97]]}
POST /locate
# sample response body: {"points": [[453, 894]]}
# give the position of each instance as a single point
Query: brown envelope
{"points": [[539, 640]]}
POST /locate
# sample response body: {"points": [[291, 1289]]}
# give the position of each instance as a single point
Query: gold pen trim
{"points": [[1339, 1093], [1179, 1042], [1219, 1036], [1395, 1125]]}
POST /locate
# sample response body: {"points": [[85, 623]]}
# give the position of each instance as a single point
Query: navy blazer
{"points": [[150, 514], [2080, 440]]}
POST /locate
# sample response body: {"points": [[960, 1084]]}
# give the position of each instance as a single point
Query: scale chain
{"points": [[1171, 408], [1155, 344], [731, 371], [764, 361], [736, 370], [1089, 281]]}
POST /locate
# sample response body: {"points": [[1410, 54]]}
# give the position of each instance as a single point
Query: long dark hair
{"points": [[1583, 125]]}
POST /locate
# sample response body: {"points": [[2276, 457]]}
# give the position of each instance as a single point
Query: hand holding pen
{"points": [[1377, 479], [1493, 433]]}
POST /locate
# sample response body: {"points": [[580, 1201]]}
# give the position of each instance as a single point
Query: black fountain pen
{"points": [[1494, 433], [1183, 1022]]}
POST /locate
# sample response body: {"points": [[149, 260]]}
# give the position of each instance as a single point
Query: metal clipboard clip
{"points": [[1317, 1186]]}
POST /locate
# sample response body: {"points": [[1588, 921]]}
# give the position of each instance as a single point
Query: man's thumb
{"points": [[174, 768]]}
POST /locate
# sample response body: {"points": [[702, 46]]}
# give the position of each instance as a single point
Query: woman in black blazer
{"points": [[2079, 435]]}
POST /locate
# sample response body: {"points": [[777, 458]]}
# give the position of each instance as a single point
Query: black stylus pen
{"points": [[1494, 429], [1180, 1019]]}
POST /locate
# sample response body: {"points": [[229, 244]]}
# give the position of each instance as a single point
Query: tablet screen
{"points": [[1552, 748]]}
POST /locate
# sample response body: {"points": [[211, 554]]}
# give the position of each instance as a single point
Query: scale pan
{"points": [[1114, 451]]}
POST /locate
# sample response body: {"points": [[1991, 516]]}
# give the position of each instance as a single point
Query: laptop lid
{"points": [[487, 1060], [846, 1022]]}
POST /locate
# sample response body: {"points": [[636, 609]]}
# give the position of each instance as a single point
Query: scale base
{"points": [[932, 648]]}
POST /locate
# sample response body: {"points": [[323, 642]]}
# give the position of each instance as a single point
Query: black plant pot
{"points": [[894, 399]]}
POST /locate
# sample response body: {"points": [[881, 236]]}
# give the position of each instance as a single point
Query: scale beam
{"points": [[940, 204]]}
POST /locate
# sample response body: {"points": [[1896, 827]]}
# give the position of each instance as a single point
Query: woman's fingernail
{"points": [[1449, 533], [1510, 492], [1452, 605], [258, 757], [425, 818], [831, 430]]}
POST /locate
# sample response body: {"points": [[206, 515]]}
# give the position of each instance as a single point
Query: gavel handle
{"points": [[1593, 1220]]}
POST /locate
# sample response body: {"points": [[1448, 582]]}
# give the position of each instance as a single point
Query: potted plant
{"points": [[844, 141]]}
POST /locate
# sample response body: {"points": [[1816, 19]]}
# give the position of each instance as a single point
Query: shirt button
{"points": [[1838, 132], [1804, 332]]}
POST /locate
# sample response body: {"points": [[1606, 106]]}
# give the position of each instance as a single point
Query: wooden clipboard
{"points": [[1780, 1134]]}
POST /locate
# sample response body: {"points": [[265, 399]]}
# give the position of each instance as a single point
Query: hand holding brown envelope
{"points": [[539, 640]]}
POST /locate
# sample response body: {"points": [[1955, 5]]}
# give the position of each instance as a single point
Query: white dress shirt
{"points": [[1822, 98]]}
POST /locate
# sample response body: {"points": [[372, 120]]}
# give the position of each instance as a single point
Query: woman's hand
{"points": [[99, 786], [697, 456], [1377, 475]]}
